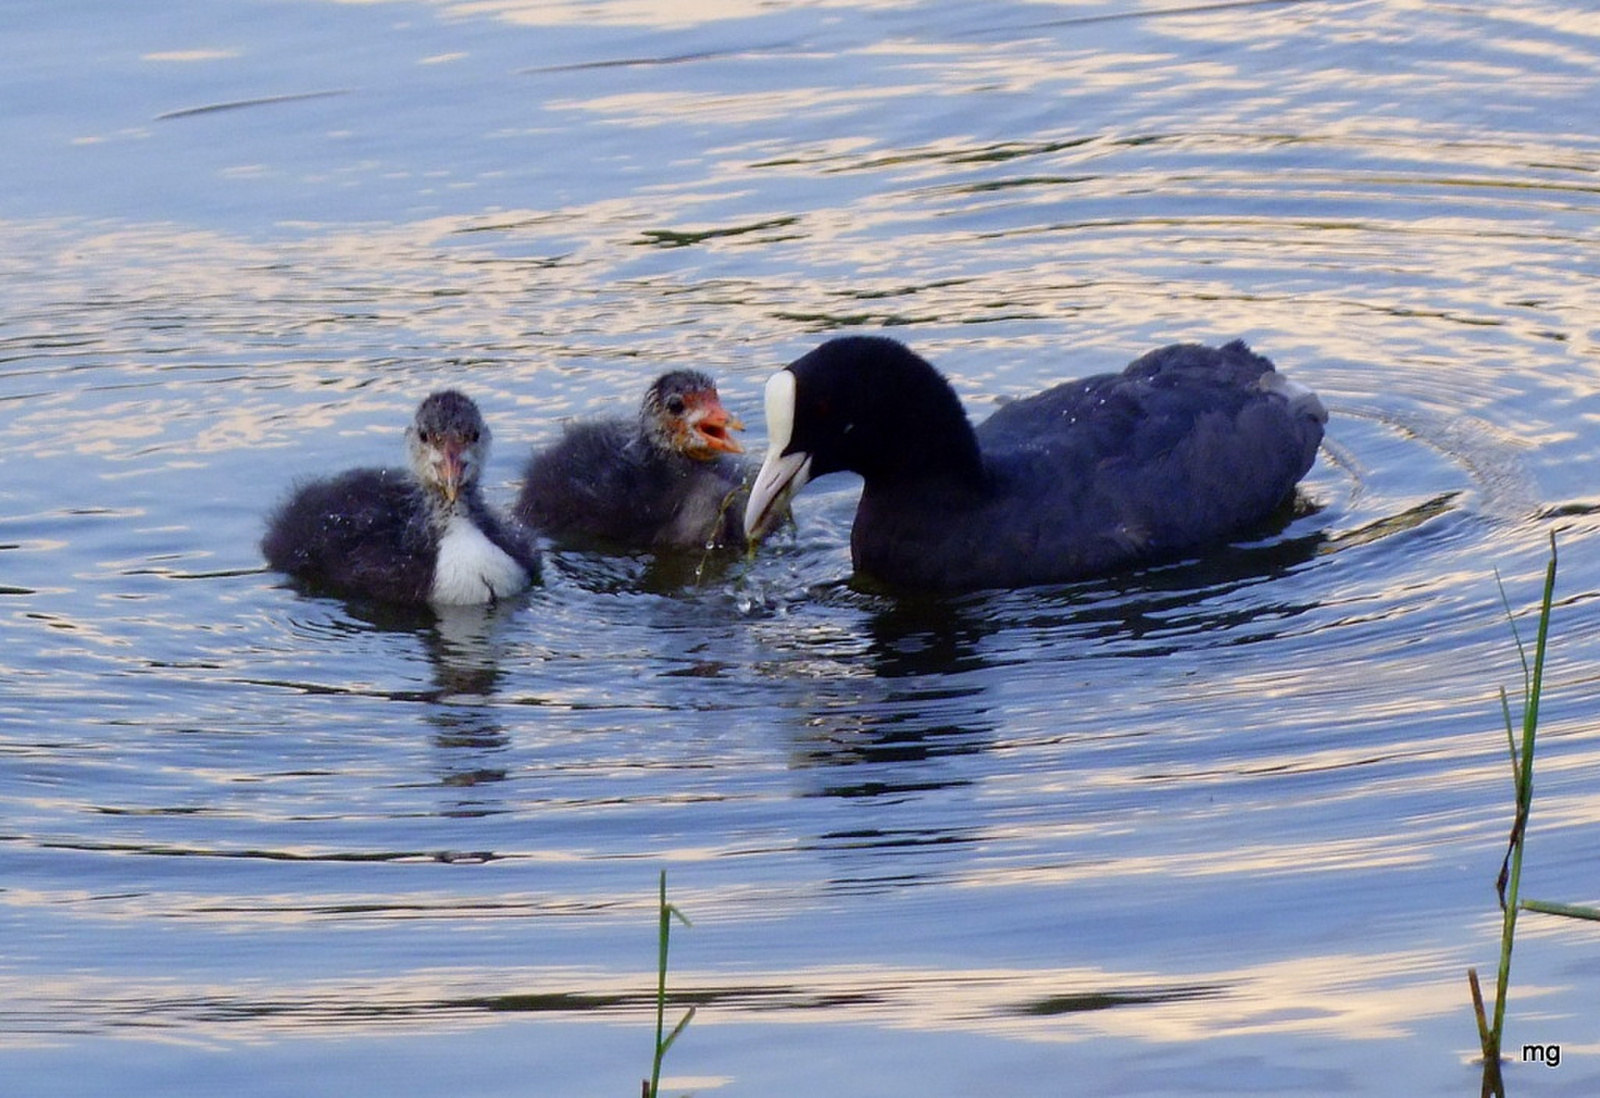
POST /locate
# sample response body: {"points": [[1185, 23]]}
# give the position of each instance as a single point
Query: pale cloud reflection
{"points": [[188, 56], [648, 13], [1346, 995]]}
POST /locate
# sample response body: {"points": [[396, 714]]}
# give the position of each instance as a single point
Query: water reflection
{"points": [[1297, 997], [666, 573], [1234, 596], [466, 649], [921, 701], [216, 787]]}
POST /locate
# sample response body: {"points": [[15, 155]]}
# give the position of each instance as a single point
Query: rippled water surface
{"points": [[1224, 827]]}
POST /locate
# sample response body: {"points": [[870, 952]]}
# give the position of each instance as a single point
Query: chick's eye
{"points": [[472, 437], [675, 405], [422, 437]]}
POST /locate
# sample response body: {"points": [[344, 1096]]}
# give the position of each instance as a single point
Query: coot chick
{"points": [[1188, 447], [414, 535], [664, 480]]}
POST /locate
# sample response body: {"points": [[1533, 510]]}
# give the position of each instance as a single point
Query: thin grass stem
{"points": [[666, 913], [1571, 911], [1510, 881]]}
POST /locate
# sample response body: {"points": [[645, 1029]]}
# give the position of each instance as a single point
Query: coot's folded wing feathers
{"points": [[1177, 382], [1186, 446]]}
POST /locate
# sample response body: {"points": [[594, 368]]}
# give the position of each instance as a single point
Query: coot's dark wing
{"points": [[601, 481], [1167, 379], [362, 532], [1188, 447]]}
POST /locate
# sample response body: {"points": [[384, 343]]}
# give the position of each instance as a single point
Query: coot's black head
{"points": [[865, 404], [682, 413], [448, 441]]}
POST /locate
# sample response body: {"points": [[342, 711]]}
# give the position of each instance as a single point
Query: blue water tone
{"points": [[1220, 827]]}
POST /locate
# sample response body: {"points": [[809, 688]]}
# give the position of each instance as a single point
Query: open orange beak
{"points": [[709, 425]]}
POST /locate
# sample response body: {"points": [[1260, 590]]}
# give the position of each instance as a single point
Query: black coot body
{"points": [[1187, 448], [418, 535], [664, 480]]}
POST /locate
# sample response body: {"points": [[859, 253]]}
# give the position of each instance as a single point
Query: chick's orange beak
{"points": [[710, 424]]}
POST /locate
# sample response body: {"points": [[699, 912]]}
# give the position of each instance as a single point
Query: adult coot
{"points": [[408, 536], [1185, 449], [663, 480]]}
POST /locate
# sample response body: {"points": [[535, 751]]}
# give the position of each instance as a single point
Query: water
{"points": [[1223, 827]]}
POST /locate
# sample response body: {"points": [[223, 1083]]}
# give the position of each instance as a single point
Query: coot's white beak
{"points": [[781, 475]]}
